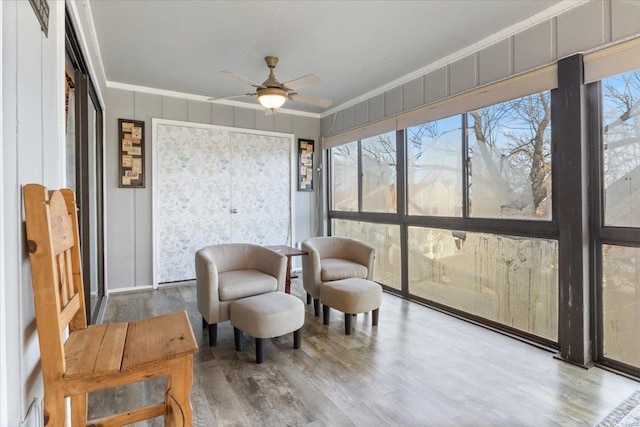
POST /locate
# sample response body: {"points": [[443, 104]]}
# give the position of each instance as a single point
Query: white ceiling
{"points": [[355, 47]]}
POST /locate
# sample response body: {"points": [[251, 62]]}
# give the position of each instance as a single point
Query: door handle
{"points": [[233, 210]]}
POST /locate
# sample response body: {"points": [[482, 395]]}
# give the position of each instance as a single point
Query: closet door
{"points": [[193, 194], [260, 189], [216, 185]]}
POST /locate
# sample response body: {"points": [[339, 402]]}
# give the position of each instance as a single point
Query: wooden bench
{"points": [[98, 356]]}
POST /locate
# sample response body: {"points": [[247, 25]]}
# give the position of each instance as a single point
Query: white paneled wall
{"points": [[581, 29], [129, 211], [32, 151]]}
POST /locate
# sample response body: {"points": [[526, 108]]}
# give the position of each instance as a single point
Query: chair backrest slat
{"points": [[54, 252], [62, 279]]}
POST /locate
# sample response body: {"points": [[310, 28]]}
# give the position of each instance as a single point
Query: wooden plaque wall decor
{"points": [[305, 165], [131, 153]]}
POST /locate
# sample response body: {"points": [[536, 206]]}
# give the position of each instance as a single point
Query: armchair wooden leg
{"points": [[260, 350], [316, 306], [326, 313], [374, 316], [308, 298], [205, 325], [79, 410], [297, 339], [178, 393], [347, 323], [239, 339], [213, 334]]}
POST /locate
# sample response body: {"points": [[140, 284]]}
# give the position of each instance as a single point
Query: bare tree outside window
{"points": [[344, 179], [434, 168], [510, 159], [621, 128], [621, 176], [379, 176]]}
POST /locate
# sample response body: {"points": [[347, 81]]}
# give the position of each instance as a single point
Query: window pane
{"points": [[434, 168], [621, 303], [384, 238], [344, 178], [621, 124], [510, 153], [506, 279], [379, 173]]}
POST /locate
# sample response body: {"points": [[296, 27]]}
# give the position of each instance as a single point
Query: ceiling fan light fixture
{"points": [[272, 98]]}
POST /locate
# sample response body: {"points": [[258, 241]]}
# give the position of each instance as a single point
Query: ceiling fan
{"points": [[272, 94]]}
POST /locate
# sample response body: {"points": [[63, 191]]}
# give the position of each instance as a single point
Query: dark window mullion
{"points": [[465, 167], [360, 175], [401, 208]]}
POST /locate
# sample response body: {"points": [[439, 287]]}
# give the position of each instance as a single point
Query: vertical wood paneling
{"points": [[264, 121], [393, 101], [326, 123], [175, 108], [348, 117], [436, 85], [462, 74], [413, 93], [494, 62], [337, 122], [120, 211], [283, 123], [376, 107], [199, 112], [625, 19], [362, 113], [533, 47], [245, 118], [222, 115], [52, 92], [580, 29], [146, 107], [10, 246], [305, 221]]}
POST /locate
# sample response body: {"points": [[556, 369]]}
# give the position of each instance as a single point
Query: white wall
{"points": [[129, 211], [582, 29], [32, 144]]}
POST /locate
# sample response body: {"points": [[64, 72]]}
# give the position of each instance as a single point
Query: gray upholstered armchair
{"points": [[228, 272], [333, 258]]}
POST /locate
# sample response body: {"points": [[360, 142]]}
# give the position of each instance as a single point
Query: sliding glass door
{"points": [[84, 173]]}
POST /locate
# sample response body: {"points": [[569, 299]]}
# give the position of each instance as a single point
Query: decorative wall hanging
{"points": [[305, 165], [131, 153]]}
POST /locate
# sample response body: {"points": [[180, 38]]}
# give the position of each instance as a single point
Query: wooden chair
{"points": [[97, 356]]}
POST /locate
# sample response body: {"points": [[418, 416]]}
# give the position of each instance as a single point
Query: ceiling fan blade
{"points": [[242, 79], [214, 98], [307, 80], [320, 102]]}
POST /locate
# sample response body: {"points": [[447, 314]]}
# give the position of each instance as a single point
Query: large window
{"points": [[434, 168], [619, 233], [385, 238], [621, 123], [505, 279], [345, 177], [621, 303], [510, 159], [464, 172], [379, 173]]}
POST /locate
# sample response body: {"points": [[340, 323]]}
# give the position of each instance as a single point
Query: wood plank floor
{"points": [[418, 367]]}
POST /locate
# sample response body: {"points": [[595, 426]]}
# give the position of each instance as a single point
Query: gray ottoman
{"points": [[351, 296], [267, 316]]}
